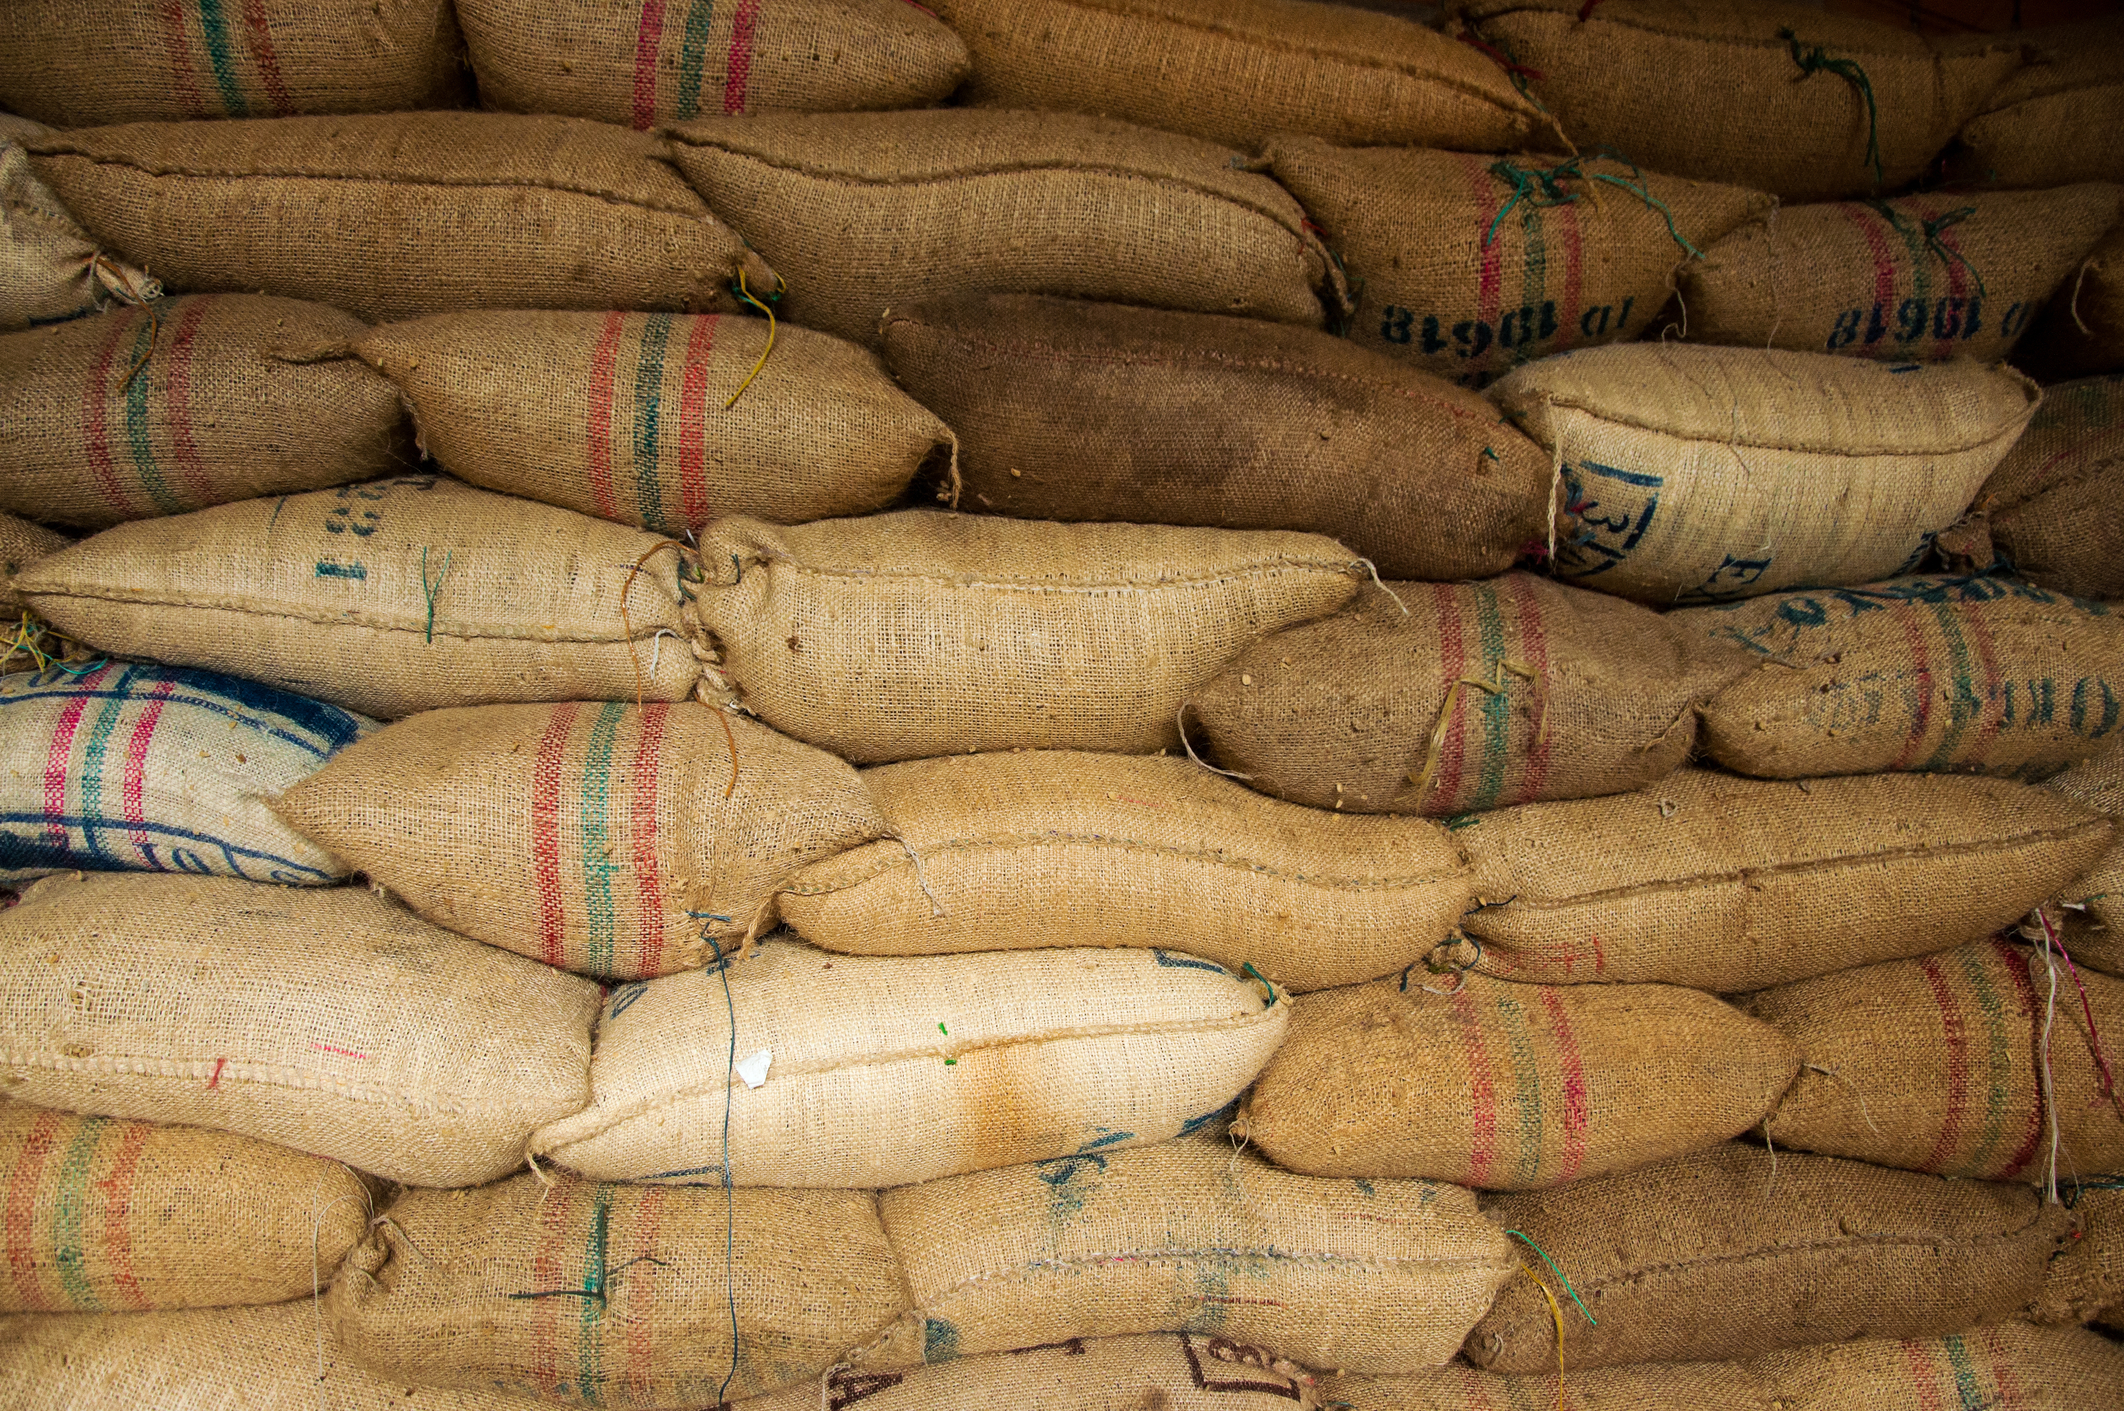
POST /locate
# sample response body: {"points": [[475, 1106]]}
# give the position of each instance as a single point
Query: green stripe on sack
{"points": [[598, 866], [589, 1361], [1526, 1077], [1920, 271], [648, 413], [1496, 705], [1962, 703], [1965, 1375], [214, 27], [1998, 1057], [89, 803], [693, 57], [68, 1215], [139, 431]]}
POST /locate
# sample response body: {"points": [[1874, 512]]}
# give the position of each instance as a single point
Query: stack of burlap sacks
{"points": [[1332, 713]]}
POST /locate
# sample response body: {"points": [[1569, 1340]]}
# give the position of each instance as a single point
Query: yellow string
{"points": [[1436, 750], [745, 293], [1555, 1312]]}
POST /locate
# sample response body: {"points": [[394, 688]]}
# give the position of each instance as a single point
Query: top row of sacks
{"points": [[1781, 97]]}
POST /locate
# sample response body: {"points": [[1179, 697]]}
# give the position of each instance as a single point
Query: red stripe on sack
{"points": [[693, 421], [2024, 990], [1992, 708], [603, 365], [1453, 663], [117, 1190], [1955, 1029], [95, 427], [56, 759], [177, 395], [1574, 1078], [1883, 256], [544, 1359], [1566, 225], [740, 69], [641, 1294], [1921, 665], [1489, 289], [254, 20], [22, 1185], [133, 785], [1533, 652], [648, 43], [2002, 1377], [180, 52], [649, 946], [1482, 1093], [545, 829]]}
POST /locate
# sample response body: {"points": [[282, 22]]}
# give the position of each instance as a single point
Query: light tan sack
{"points": [[2054, 509], [882, 1071], [2085, 1282], [326, 1020], [49, 267], [2055, 120], [22, 544], [922, 633]]}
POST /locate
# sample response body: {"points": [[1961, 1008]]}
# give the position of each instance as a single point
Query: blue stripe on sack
{"points": [[329, 728], [21, 854]]}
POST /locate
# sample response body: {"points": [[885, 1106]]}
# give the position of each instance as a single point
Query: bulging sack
{"points": [[1468, 265], [865, 213], [1503, 1086], [1451, 698], [49, 268], [388, 598], [923, 633], [2054, 509], [609, 839], [1698, 475], [1729, 884], [1073, 411], [2055, 120], [1981, 674], [396, 215], [1048, 848], [861, 1071], [325, 1019]]}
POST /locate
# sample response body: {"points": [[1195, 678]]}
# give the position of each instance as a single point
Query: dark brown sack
{"points": [[2055, 120], [2085, 1282], [2082, 332], [2054, 509]]}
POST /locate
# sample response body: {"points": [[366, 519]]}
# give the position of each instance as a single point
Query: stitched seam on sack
{"points": [[273, 1075], [1230, 574], [897, 861], [1382, 1263], [249, 609], [1747, 41], [1884, 451]]}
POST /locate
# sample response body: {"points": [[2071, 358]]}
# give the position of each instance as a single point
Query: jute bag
{"points": [[2051, 508], [123, 1216], [1697, 475], [1502, 1086], [1977, 673], [2082, 331], [49, 268], [1381, 1276], [396, 215], [867, 212], [2054, 121], [880, 1071], [190, 402], [22, 544], [603, 1295], [118, 766], [1719, 89], [1235, 71], [2085, 1282], [76, 64], [1937, 1064], [388, 598], [1070, 410], [630, 417], [1468, 265], [606, 838], [1049, 848], [656, 63], [1703, 1259], [326, 1020], [1916, 278], [1732, 884], [921, 633], [2099, 784], [1450, 698]]}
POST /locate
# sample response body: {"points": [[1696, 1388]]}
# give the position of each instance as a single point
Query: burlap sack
{"points": [[1988, 675], [395, 215], [922, 633], [1449, 698], [118, 766], [2054, 509], [602, 1295], [1588, 246], [1716, 89], [1510, 1087], [326, 1020], [22, 544], [1698, 475], [624, 416], [389, 598], [110, 1216], [2082, 332], [1732, 884], [1047, 848], [189, 403], [1704, 1258], [49, 268], [882, 1071], [2098, 939], [1935, 1064], [2085, 1281], [2055, 120], [1917, 278], [867, 212], [1076, 411], [656, 63], [609, 839]]}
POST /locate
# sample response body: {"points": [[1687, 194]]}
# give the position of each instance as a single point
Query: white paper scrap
{"points": [[754, 1069]]}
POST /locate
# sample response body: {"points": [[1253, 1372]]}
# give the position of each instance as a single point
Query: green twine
{"points": [[432, 590], [722, 968], [1248, 969], [1542, 187], [1817, 60], [1930, 230], [1559, 1274], [599, 1283]]}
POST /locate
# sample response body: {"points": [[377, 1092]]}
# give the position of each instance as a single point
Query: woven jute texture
{"points": [[1505, 1086], [323, 1019], [22, 544], [1732, 884], [162, 769], [2085, 1283], [863, 213], [140, 412], [2051, 508], [388, 598], [49, 268], [1917, 278], [922, 633], [1449, 698], [628, 416], [1698, 475], [647, 64], [81, 65], [1715, 1256], [2099, 784], [1051, 848], [879, 1071], [606, 1295], [606, 838], [1468, 265], [2054, 121], [2082, 331], [1988, 675], [1235, 71], [1381, 1276], [390, 216], [1757, 114], [1936, 1064], [1078, 411]]}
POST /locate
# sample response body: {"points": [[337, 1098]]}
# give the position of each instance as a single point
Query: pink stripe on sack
{"points": [[177, 393], [603, 365], [95, 429], [648, 748], [648, 43], [740, 71], [1574, 1077], [56, 760], [693, 420], [254, 20], [133, 786]]}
